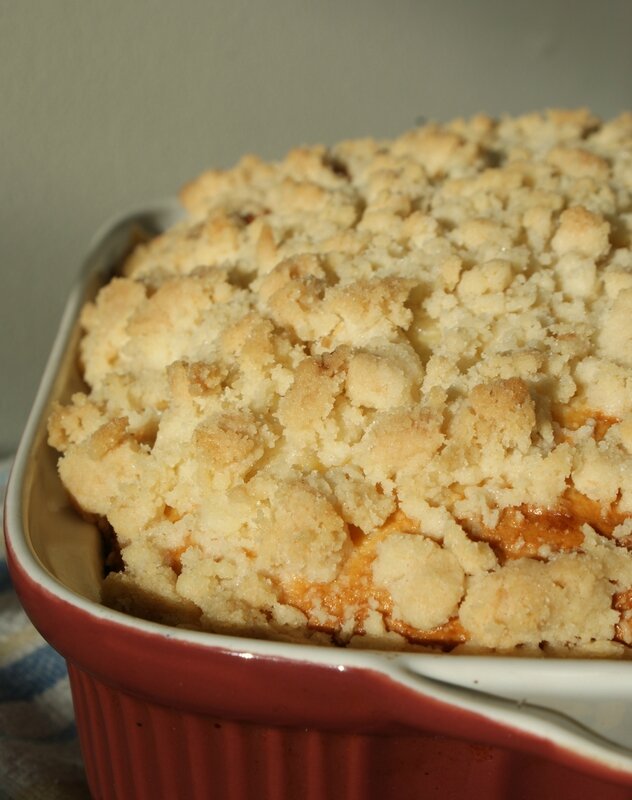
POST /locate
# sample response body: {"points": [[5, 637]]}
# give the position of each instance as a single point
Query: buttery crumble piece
{"points": [[378, 394]]}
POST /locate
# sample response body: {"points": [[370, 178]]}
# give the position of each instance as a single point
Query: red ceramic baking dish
{"points": [[171, 713]]}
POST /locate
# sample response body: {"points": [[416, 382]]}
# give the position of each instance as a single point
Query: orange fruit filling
{"points": [[521, 532]]}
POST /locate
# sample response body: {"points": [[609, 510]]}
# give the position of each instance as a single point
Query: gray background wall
{"points": [[107, 105]]}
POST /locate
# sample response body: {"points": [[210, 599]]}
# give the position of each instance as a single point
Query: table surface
{"points": [[39, 751]]}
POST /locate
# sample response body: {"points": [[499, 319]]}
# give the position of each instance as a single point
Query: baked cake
{"points": [[376, 394]]}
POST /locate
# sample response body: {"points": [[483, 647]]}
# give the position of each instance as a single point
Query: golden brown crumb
{"points": [[380, 392]]}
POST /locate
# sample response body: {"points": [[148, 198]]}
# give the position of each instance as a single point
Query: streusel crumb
{"points": [[378, 394]]}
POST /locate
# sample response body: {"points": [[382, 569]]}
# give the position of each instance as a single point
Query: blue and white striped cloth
{"points": [[39, 752]]}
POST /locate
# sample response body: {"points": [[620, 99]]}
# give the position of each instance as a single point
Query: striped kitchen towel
{"points": [[39, 752]]}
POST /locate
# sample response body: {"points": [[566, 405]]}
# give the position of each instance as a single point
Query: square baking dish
{"points": [[172, 713]]}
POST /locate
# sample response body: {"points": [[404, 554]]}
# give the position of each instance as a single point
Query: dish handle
{"points": [[583, 707]]}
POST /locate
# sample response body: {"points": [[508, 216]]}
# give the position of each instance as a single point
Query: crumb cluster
{"points": [[378, 393]]}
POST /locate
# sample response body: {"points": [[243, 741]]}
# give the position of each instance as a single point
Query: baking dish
{"points": [[165, 712]]}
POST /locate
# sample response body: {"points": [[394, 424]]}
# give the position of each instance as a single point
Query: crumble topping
{"points": [[378, 393]]}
